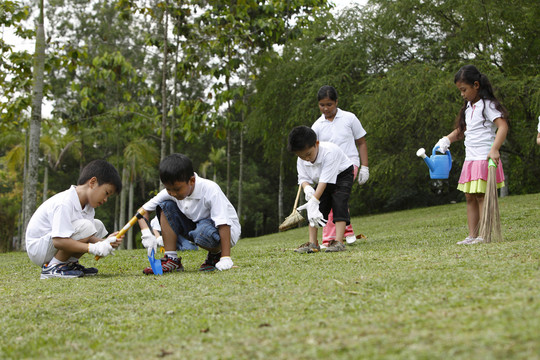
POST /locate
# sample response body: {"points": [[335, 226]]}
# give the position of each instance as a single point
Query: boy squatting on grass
{"points": [[63, 228], [326, 164], [194, 208]]}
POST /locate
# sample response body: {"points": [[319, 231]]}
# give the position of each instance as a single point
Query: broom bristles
{"points": [[295, 217], [489, 227], [291, 221]]}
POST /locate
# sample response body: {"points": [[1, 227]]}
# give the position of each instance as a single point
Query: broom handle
{"points": [[297, 197]]}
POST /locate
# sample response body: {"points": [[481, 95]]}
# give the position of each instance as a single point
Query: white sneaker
{"points": [[350, 239], [467, 240], [478, 240]]}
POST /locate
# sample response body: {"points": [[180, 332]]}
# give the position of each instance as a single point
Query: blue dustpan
{"points": [[155, 264]]}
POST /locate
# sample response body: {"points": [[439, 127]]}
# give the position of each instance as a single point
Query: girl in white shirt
{"points": [[483, 123]]}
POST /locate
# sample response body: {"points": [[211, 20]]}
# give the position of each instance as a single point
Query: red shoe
{"points": [[168, 264], [210, 263]]}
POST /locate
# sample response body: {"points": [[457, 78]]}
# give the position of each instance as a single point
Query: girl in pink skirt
{"points": [[483, 123]]}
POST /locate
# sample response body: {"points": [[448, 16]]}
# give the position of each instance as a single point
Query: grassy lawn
{"points": [[407, 292]]}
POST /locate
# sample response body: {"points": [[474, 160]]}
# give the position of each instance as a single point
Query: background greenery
{"points": [[239, 76], [408, 291]]}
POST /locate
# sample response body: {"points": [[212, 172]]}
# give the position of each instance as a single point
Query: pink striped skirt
{"points": [[474, 174]]}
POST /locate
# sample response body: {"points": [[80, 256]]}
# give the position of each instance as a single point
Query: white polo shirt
{"points": [[206, 201], [480, 132], [330, 162], [55, 216], [343, 131]]}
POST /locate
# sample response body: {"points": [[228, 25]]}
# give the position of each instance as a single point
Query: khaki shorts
{"points": [[43, 250]]}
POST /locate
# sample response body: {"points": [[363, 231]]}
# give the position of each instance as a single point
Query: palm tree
{"points": [[55, 146], [216, 156]]}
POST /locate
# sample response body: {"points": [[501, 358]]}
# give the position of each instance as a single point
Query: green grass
{"points": [[407, 292]]}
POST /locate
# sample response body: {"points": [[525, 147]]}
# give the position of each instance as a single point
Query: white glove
{"points": [[443, 144], [102, 248], [225, 263], [315, 217], [110, 240], [363, 175], [149, 241], [308, 192]]}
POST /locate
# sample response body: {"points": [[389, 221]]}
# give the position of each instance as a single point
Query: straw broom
{"points": [[295, 218], [489, 226]]}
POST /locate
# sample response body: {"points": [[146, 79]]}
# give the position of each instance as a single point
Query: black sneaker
{"points": [[59, 271], [91, 271], [210, 263]]}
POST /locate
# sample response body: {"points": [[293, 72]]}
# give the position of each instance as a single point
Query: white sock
{"points": [[172, 254], [55, 261]]}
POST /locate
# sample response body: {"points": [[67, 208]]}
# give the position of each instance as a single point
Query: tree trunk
{"points": [[130, 211], [173, 118], [240, 171], [228, 162], [30, 184], [45, 182], [164, 86], [280, 190], [123, 200], [22, 222], [505, 159], [116, 213]]}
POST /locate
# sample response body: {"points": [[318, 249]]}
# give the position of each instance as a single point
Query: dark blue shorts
{"points": [[182, 226], [336, 196], [177, 223]]}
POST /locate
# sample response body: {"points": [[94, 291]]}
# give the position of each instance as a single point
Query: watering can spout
{"points": [[422, 153]]}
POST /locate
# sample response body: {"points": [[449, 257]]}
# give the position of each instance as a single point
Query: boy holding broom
{"points": [[194, 208], [327, 165], [63, 228]]}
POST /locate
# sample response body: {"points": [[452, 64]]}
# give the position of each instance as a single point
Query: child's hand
{"points": [[315, 217], [494, 155], [443, 144], [308, 192], [149, 241], [114, 241], [363, 175], [225, 263], [101, 248]]}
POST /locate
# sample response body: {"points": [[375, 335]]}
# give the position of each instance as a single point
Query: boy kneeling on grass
{"points": [[63, 228], [194, 208], [326, 164]]}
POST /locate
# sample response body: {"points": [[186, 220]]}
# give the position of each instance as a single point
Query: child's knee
{"points": [[84, 229], [101, 231]]}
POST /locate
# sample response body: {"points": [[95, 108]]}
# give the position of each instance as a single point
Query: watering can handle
{"points": [[446, 153]]}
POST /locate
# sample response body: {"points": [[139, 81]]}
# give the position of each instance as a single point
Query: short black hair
{"points": [[104, 172], [175, 167], [301, 138]]}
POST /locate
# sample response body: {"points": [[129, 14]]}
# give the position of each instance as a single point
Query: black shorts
{"points": [[336, 196]]}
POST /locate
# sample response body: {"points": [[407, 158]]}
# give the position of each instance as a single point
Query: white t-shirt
{"points": [[480, 132], [206, 201], [343, 131], [330, 162], [55, 216], [154, 223]]}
